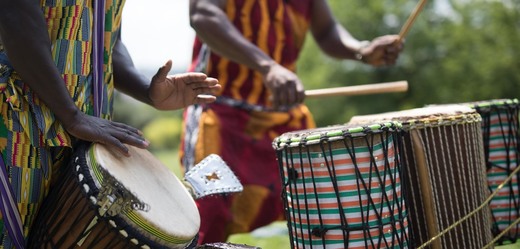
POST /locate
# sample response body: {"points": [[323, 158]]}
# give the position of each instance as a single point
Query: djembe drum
{"points": [[500, 131], [108, 200], [444, 158], [342, 187]]}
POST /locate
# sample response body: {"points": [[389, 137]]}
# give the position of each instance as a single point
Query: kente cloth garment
{"points": [[30, 130], [236, 127]]}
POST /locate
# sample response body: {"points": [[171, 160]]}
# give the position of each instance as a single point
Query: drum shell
{"points": [[444, 160], [67, 218], [70, 214], [501, 137], [312, 169]]}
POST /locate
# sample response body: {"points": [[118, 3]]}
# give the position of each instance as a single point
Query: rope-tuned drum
{"points": [[107, 200], [342, 187], [444, 160]]}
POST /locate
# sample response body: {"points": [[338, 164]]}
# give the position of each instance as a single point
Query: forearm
{"points": [[126, 77], [26, 41], [330, 36], [339, 43], [214, 28]]}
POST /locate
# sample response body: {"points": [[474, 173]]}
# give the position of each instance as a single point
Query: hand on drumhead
{"points": [[382, 51], [171, 92], [93, 129], [286, 88]]}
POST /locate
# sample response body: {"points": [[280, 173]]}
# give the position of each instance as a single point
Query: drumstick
{"points": [[411, 19], [396, 86]]}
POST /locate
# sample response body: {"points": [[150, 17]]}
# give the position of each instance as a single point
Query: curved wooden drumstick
{"points": [[411, 19], [397, 86]]}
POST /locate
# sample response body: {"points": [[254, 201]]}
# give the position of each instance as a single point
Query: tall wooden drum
{"points": [[446, 175]]}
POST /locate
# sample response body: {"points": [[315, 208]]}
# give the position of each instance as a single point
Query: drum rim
{"points": [[285, 140], [493, 102], [409, 120]]}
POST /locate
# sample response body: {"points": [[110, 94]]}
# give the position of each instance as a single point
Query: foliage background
{"points": [[457, 51]]}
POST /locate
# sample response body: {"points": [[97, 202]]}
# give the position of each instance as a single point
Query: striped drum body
{"points": [[342, 187], [501, 136]]}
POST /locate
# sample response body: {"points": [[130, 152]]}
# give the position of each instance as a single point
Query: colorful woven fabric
{"points": [[69, 24], [29, 128]]}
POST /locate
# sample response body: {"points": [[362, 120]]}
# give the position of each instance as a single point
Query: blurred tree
{"points": [[163, 132], [456, 51]]}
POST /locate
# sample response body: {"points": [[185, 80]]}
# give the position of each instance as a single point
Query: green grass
{"points": [[509, 246], [273, 236]]}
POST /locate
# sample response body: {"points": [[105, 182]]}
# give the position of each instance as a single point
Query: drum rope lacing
{"points": [[325, 138], [484, 205], [480, 208]]}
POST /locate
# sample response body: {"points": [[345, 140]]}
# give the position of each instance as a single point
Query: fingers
{"points": [[277, 99], [205, 99], [205, 89], [128, 127], [190, 78], [118, 134], [206, 83], [120, 147], [118, 137], [162, 73], [128, 137], [288, 94], [387, 50]]}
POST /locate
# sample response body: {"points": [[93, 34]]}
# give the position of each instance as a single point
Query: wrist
{"points": [[358, 55], [68, 118], [266, 66]]}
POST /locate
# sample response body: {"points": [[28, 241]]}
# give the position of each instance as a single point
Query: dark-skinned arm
{"points": [[213, 27], [126, 77], [337, 42], [24, 35], [26, 41], [210, 22]]}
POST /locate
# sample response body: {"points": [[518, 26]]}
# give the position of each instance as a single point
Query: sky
{"points": [[155, 31]]}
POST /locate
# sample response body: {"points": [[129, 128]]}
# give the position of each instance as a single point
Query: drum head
{"points": [[425, 113], [172, 213]]}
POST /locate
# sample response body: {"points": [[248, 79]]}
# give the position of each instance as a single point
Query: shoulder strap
{"points": [[9, 209], [98, 51]]}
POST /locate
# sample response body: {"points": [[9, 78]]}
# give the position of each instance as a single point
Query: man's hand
{"points": [[172, 92], [382, 51], [285, 86], [93, 129]]}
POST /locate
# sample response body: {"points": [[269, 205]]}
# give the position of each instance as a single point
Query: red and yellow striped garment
{"points": [[243, 136]]}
